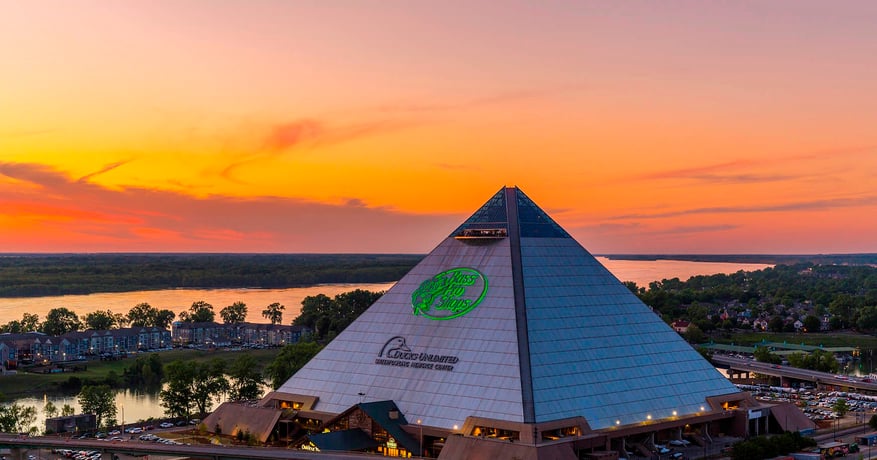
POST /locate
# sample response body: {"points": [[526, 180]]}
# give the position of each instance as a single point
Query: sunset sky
{"points": [[378, 126]]}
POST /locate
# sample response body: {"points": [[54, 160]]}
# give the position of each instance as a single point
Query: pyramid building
{"points": [[511, 329]]}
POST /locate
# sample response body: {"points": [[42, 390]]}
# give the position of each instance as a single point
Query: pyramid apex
{"points": [[509, 211]]}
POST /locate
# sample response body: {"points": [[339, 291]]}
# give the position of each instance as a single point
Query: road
{"points": [[821, 378], [134, 448]]}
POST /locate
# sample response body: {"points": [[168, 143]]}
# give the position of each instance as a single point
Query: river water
{"points": [[140, 406], [642, 272]]}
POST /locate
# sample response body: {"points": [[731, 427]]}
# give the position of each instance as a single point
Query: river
{"points": [[642, 272], [140, 406]]}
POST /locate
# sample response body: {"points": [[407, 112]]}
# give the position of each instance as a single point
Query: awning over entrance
{"points": [[352, 440], [790, 418]]}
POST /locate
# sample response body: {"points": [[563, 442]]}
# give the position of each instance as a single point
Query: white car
{"points": [[166, 425], [679, 442]]}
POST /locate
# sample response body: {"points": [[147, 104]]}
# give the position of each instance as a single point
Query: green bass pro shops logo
{"points": [[450, 294]]}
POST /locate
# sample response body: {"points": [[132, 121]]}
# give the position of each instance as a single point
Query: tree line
{"points": [[32, 275], [847, 293], [62, 320]]}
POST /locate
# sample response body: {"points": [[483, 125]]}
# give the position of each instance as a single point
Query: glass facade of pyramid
{"points": [[510, 323]]}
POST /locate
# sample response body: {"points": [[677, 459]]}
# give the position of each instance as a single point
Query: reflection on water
{"points": [[131, 405], [642, 272], [178, 300]]}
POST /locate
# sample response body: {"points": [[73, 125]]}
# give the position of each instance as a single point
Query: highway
{"points": [[135, 448], [816, 377]]}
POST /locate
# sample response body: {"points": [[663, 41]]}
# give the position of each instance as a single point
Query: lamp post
{"points": [[419, 425]]}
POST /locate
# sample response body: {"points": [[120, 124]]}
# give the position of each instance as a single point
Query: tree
{"points": [[145, 371], [274, 313], [67, 410], [102, 320], [290, 359], [210, 383], [694, 334], [176, 397], [328, 317], [776, 324], [199, 312], [50, 409], [246, 379], [30, 322], [192, 386], [840, 406], [164, 318], [16, 418], [100, 401], [763, 355], [812, 323], [234, 313], [843, 307], [698, 313], [817, 360], [631, 285], [61, 321], [314, 308], [867, 318], [142, 315], [12, 327]]}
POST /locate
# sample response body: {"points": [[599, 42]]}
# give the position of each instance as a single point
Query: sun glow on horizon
{"points": [[198, 126]]}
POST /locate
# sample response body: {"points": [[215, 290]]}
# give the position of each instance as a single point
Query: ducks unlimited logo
{"points": [[397, 353], [450, 294]]}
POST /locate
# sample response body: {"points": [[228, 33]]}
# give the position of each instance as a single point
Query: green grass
{"points": [[26, 384], [847, 339]]}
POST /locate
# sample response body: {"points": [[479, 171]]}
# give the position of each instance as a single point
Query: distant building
{"points": [[8, 357], [38, 347], [72, 423], [681, 326], [221, 335]]}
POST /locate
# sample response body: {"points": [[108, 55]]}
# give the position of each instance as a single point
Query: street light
{"points": [[419, 425]]}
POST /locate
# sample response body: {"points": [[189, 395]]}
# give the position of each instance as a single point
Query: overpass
{"points": [[818, 378]]}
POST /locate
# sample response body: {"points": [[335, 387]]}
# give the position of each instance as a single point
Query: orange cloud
{"points": [[62, 213]]}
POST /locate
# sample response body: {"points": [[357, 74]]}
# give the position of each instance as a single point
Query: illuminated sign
{"points": [[450, 294], [397, 353]]}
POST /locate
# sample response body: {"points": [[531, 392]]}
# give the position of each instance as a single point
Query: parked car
{"points": [[166, 425]]}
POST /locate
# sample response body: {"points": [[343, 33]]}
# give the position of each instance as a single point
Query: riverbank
{"points": [[23, 384]]}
